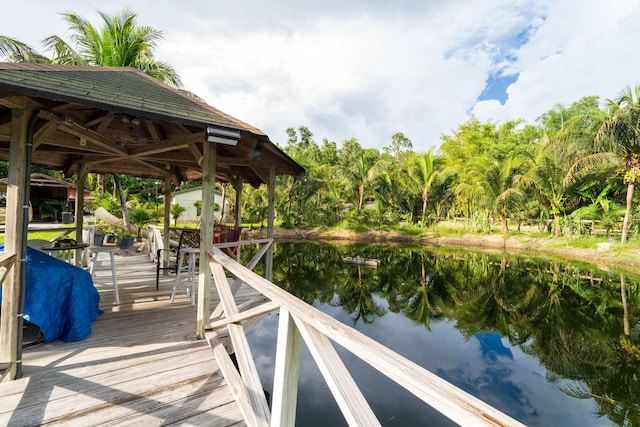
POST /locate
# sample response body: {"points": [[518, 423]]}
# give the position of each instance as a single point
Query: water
{"points": [[543, 341]]}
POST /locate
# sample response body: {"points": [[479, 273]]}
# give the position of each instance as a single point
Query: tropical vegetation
{"points": [[567, 173]]}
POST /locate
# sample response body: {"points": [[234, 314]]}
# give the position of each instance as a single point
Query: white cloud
{"points": [[576, 52], [369, 69]]}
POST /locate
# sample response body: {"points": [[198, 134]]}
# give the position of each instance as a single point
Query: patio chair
{"points": [[188, 239], [228, 234]]}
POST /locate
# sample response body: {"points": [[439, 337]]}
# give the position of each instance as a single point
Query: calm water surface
{"points": [[547, 342]]}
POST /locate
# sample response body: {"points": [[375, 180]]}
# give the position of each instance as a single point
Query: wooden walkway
{"points": [[140, 366]]}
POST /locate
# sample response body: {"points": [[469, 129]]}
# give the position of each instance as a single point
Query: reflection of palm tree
{"points": [[424, 299], [625, 308], [356, 297], [571, 319]]}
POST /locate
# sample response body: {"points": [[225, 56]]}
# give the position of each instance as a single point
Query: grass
{"points": [[41, 235], [448, 230]]}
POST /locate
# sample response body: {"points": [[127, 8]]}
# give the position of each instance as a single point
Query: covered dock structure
{"points": [[120, 121]]}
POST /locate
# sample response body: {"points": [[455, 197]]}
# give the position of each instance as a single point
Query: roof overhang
{"points": [[119, 120]]}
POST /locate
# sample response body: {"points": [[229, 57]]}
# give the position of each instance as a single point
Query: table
{"points": [[95, 250], [191, 272], [66, 251]]}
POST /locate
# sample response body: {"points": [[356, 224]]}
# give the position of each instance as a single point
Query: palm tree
{"points": [[176, 212], [621, 134], [16, 51], [422, 174], [121, 42], [547, 172], [495, 186]]}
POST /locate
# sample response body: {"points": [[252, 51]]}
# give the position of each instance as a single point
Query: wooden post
{"points": [[167, 220], [237, 221], [17, 180], [287, 367], [206, 236], [80, 181], [270, 222]]}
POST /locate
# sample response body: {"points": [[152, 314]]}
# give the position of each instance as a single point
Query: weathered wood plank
{"points": [[237, 386], [245, 361], [287, 368], [350, 399], [140, 366], [265, 308], [10, 321]]}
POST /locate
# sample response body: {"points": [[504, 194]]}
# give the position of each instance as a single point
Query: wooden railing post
{"points": [[287, 367], [246, 364]]}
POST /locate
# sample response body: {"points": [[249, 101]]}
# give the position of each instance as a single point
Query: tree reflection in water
{"points": [[578, 322]]}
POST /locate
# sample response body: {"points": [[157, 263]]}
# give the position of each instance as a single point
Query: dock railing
{"points": [[300, 321]]}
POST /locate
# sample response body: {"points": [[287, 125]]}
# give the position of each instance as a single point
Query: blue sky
{"points": [[369, 69]]}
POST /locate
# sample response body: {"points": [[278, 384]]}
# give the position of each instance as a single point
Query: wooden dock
{"points": [[141, 365]]}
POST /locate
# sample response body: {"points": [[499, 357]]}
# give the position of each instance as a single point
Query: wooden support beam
{"points": [[237, 386], [287, 368], [16, 182], [6, 262], [42, 133], [246, 364], [167, 219], [266, 245], [265, 308], [206, 236], [193, 147], [350, 399], [153, 130], [271, 219], [81, 177]]}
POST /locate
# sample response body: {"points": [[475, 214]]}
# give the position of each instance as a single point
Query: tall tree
{"points": [[422, 174], [399, 143], [496, 184], [547, 171], [621, 133], [120, 42]]}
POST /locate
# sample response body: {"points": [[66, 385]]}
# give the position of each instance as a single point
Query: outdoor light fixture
{"points": [[222, 135], [257, 150], [130, 120]]}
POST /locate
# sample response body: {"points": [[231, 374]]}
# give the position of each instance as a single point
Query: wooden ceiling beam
{"points": [[15, 101], [197, 154], [96, 138], [152, 128], [44, 131], [103, 121], [168, 145]]}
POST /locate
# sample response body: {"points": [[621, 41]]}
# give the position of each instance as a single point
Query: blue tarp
{"points": [[60, 298]]}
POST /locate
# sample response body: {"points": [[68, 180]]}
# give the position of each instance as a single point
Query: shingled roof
{"points": [[119, 120]]}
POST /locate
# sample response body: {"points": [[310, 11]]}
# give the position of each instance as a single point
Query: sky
{"points": [[368, 69]]}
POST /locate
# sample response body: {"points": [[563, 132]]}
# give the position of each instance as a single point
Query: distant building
{"points": [[51, 199], [188, 199]]}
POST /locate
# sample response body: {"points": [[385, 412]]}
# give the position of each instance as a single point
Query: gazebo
{"points": [[106, 120]]}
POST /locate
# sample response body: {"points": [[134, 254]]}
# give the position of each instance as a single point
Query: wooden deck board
{"points": [[141, 365]]}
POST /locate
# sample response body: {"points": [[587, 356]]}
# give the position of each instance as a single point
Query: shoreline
{"points": [[605, 256]]}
